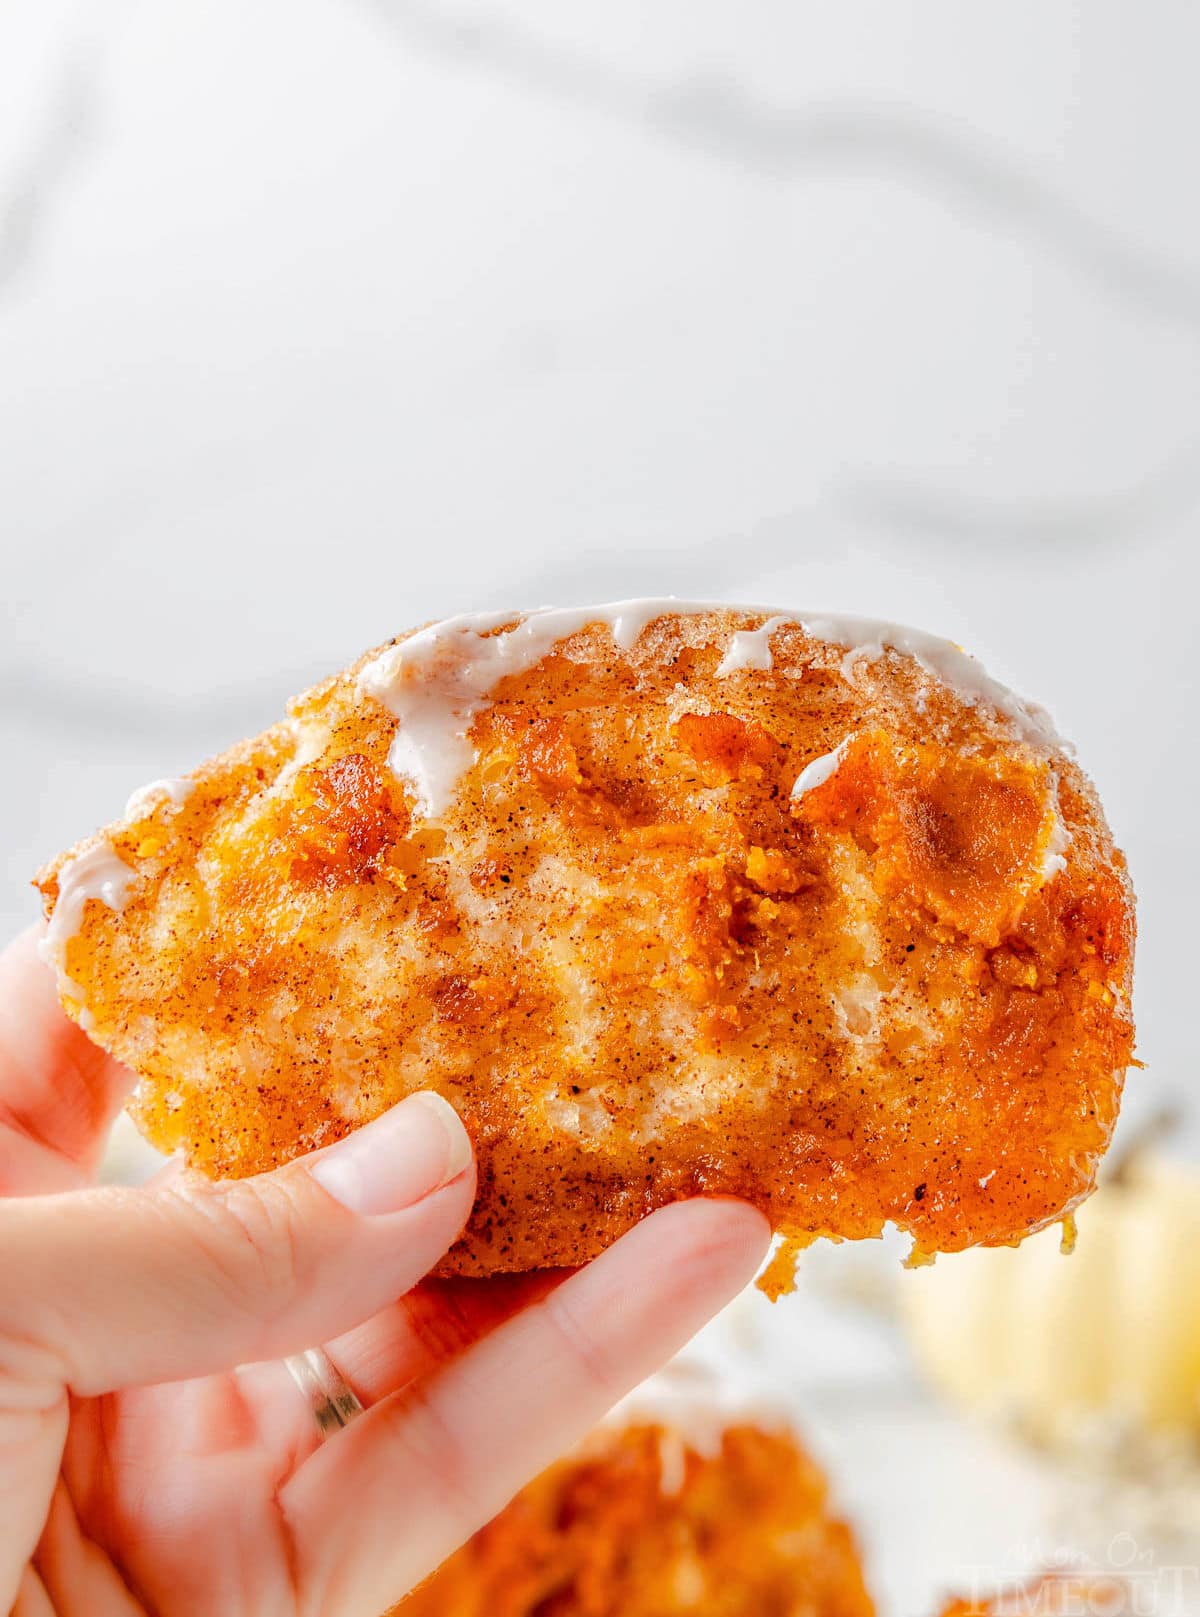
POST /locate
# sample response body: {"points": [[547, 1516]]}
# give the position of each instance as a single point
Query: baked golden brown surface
{"points": [[639, 966], [644, 1524]]}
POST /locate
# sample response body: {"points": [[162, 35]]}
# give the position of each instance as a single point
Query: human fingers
{"points": [[435, 1322], [112, 1287], [374, 1511]]}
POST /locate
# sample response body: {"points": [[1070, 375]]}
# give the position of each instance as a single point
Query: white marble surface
{"points": [[317, 319]]}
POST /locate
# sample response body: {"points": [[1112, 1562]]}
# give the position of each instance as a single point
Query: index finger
{"points": [[59, 1092]]}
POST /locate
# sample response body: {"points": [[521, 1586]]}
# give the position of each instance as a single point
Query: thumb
{"points": [[108, 1288]]}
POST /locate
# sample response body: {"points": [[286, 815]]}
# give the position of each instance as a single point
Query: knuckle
{"points": [[252, 1238], [33, 1374], [442, 1459], [581, 1345]]}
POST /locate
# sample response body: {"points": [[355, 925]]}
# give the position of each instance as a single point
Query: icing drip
{"points": [[1056, 850], [751, 648], [140, 803], [437, 680], [97, 873], [819, 770], [866, 640]]}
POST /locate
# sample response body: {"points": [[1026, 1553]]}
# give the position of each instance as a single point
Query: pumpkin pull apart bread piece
{"points": [[665, 899], [689, 1499]]}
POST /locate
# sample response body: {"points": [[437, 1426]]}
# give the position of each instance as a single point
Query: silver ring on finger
{"points": [[334, 1404]]}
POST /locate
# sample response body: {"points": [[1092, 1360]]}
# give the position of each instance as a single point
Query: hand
{"points": [[140, 1471]]}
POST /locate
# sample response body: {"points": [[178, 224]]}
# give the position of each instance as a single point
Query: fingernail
{"points": [[397, 1160]]}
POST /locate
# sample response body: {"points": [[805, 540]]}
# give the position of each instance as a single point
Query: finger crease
{"points": [[581, 1343]]}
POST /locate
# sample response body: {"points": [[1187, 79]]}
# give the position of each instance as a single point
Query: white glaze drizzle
{"points": [[751, 648], [1054, 860], [436, 681], [866, 640], [819, 770], [98, 873], [176, 790]]}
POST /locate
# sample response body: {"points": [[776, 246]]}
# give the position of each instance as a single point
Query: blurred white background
{"points": [[322, 318]]}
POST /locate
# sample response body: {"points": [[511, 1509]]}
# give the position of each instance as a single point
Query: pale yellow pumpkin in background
{"points": [[1045, 1338]]}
